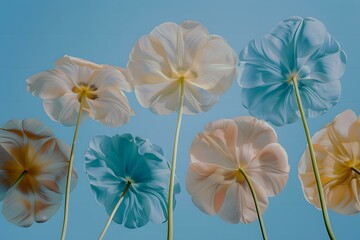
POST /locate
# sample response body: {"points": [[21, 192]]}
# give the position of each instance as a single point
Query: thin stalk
{"points": [[173, 161], [258, 210], [355, 170], [71, 163], [114, 210], [314, 163], [19, 179]]}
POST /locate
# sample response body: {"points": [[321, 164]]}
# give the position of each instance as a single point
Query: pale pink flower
{"points": [[218, 157]]}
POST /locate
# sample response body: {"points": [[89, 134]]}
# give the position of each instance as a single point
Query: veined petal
{"points": [[77, 74], [341, 198], [161, 98], [64, 109], [78, 61], [197, 99], [111, 107], [111, 77], [50, 84], [215, 66], [270, 168], [239, 204]]}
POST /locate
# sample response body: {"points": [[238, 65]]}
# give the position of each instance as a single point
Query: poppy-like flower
{"points": [[337, 151], [228, 154], [33, 170], [112, 163], [298, 50], [76, 83], [184, 57]]}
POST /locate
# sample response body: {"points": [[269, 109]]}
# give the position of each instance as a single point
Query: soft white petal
{"points": [[111, 107], [78, 61], [49, 84]]}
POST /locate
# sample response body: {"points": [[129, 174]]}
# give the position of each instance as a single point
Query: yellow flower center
{"points": [[292, 77], [239, 176], [84, 90]]}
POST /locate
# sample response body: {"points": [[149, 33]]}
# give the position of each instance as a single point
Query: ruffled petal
{"points": [[197, 100], [215, 67], [111, 107], [161, 98], [77, 74], [64, 109], [78, 61], [217, 145], [270, 168], [49, 85], [239, 204], [280, 108], [111, 77]]}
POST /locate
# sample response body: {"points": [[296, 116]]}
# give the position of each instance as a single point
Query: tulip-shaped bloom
{"points": [[129, 169], [337, 150], [293, 72], [33, 168], [296, 51], [235, 164], [77, 88], [181, 67], [77, 85]]}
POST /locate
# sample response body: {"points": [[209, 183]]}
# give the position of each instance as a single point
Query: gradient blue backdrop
{"points": [[33, 34]]}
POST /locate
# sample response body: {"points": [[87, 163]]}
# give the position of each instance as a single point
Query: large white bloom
{"points": [[99, 86], [185, 56]]}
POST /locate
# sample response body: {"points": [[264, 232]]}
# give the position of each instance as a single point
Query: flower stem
{"points": [[258, 210], [114, 210], [19, 179], [71, 163], [173, 161], [355, 170], [314, 163]]}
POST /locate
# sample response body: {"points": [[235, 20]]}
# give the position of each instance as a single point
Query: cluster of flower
{"points": [[235, 164]]}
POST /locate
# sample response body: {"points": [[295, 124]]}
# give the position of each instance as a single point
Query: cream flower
{"points": [[33, 170], [175, 60], [98, 86], [228, 154], [337, 149]]}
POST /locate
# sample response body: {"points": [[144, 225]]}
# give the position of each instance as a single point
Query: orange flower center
{"points": [[84, 90]]}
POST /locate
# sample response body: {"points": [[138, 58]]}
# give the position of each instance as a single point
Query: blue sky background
{"points": [[33, 34]]}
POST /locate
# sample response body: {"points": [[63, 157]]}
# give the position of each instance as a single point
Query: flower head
{"points": [[337, 151], [113, 162], [296, 49], [74, 80], [185, 56], [222, 154], [33, 170]]}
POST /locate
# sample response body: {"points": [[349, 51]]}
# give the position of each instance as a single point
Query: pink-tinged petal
{"points": [[64, 109], [148, 64], [111, 107], [111, 77], [49, 84], [239, 204], [78, 61], [340, 198], [215, 66], [270, 168], [217, 145], [197, 100], [161, 98], [252, 136], [207, 190]]}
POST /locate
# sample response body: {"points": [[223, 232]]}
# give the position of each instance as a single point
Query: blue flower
{"points": [[299, 49], [112, 162]]}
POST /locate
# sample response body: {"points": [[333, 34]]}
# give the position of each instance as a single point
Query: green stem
{"points": [[313, 161], [114, 210], [19, 179], [355, 170], [173, 161], [258, 210], [71, 163]]}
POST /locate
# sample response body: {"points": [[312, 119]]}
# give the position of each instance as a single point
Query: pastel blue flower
{"points": [[296, 48], [112, 162]]}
